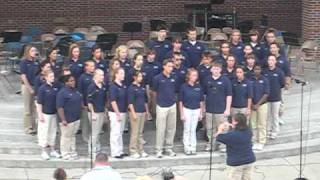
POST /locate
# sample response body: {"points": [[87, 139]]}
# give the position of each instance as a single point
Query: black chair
{"points": [[290, 38], [179, 27], [106, 41], [155, 23], [64, 44], [132, 27], [11, 36]]}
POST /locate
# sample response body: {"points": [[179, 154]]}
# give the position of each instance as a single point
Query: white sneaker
{"points": [[135, 156], [74, 156], [255, 146], [144, 154], [281, 122], [45, 155], [273, 136], [55, 154], [208, 147], [170, 152], [159, 154], [260, 147], [66, 157]]}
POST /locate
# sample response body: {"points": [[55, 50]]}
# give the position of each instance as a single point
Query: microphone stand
{"points": [[302, 83], [211, 150], [91, 146]]}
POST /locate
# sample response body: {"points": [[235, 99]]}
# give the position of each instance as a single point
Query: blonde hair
{"points": [[71, 48], [97, 72], [26, 52], [120, 48], [191, 70]]}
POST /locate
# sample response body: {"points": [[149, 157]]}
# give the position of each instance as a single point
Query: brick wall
{"points": [[283, 14], [311, 19]]}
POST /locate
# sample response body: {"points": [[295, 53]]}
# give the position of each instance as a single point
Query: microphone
{"points": [[300, 81]]}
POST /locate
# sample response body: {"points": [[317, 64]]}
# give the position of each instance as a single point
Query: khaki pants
{"points": [[85, 125], [68, 138], [212, 123], [242, 172], [136, 138], [95, 129], [273, 126], [235, 111], [47, 130], [258, 120], [29, 116], [116, 132], [151, 102], [166, 127]]}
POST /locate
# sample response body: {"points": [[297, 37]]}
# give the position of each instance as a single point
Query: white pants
{"points": [[95, 129], [273, 126], [47, 130], [68, 138], [116, 132], [190, 126]]}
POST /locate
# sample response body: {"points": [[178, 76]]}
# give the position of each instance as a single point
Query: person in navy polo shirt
{"points": [[151, 68], [250, 63], [68, 103], [137, 66], [177, 47], [204, 67], [259, 114], [74, 63], [160, 45], [191, 105], [138, 111], [114, 65], [96, 99], [276, 79], [97, 57], [255, 44], [229, 70], [29, 67], [117, 113], [218, 91], [248, 50], [179, 71], [121, 54], [164, 85], [52, 58], [83, 83], [223, 54], [39, 80], [240, 157], [193, 48], [241, 94], [270, 36], [47, 125], [236, 46]]}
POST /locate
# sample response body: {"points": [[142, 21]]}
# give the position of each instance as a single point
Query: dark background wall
{"points": [[19, 14]]}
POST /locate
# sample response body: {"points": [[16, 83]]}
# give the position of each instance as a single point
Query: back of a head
{"points": [[59, 174], [101, 158]]}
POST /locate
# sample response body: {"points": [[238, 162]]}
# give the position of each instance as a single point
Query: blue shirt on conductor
{"points": [[191, 96], [118, 93], [71, 101], [137, 96], [239, 147], [165, 88], [216, 91]]}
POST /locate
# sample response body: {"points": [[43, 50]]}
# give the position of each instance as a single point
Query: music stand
{"points": [[106, 41], [11, 36], [155, 23], [132, 27]]}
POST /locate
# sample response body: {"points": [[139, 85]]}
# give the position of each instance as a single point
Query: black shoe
{"points": [[79, 131], [118, 157], [124, 155], [126, 131]]}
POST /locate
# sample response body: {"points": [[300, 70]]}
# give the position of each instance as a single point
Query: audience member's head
{"points": [[59, 174], [101, 159]]}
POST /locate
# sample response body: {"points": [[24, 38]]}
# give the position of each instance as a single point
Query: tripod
{"points": [[302, 83]]}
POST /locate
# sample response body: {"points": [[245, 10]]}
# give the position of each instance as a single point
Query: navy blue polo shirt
{"points": [[38, 81], [191, 96], [266, 50], [83, 83], [204, 72], [126, 65], [102, 64], [258, 52], [249, 73], [76, 67], [185, 58], [137, 96], [97, 97], [180, 76], [165, 88], [150, 69], [237, 51], [239, 147], [220, 59], [118, 93], [276, 82], [71, 101], [231, 75], [217, 90], [284, 65], [57, 69], [260, 87], [194, 52], [30, 69], [161, 48], [241, 92], [131, 74], [47, 97]]}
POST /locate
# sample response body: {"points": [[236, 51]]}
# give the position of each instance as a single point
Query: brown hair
{"points": [[242, 121], [177, 39], [191, 28], [116, 71], [166, 61], [71, 48], [215, 64], [26, 52]]}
